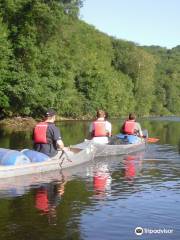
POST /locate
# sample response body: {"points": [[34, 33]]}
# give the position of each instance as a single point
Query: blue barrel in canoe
{"points": [[129, 138], [12, 157], [35, 156], [3, 151]]}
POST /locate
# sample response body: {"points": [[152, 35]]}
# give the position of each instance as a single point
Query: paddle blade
{"points": [[153, 140]]}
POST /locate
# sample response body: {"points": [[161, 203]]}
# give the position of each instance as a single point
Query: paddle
{"points": [[67, 157], [149, 140], [153, 140]]}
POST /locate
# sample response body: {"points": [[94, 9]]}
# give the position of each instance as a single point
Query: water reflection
{"points": [[20, 185], [128, 168], [101, 179], [71, 202], [15, 140], [133, 165], [48, 197]]}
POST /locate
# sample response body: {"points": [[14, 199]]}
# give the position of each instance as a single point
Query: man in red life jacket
{"points": [[132, 127], [100, 129], [46, 136]]}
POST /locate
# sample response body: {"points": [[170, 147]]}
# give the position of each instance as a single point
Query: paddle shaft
{"points": [[67, 157]]}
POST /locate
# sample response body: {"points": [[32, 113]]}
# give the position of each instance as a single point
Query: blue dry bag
{"points": [[12, 157], [129, 138], [35, 156]]}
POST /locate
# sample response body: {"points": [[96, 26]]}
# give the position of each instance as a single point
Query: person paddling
{"points": [[131, 127], [100, 129], [46, 136]]}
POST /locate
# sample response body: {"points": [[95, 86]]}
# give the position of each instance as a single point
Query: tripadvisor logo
{"points": [[138, 231]]}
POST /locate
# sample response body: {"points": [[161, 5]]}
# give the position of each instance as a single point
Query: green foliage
{"points": [[5, 65], [139, 66], [50, 58], [167, 83]]}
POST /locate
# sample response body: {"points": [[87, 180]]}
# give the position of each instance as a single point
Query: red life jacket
{"points": [[99, 127], [129, 127], [100, 182], [42, 202], [40, 133]]}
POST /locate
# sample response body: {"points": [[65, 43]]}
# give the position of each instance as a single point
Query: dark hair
{"points": [[132, 116], [106, 115], [100, 113], [50, 112]]}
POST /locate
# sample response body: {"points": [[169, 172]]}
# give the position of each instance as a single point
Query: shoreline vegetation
{"points": [[27, 123], [18, 123]]}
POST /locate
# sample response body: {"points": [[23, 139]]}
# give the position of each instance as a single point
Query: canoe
{"points": [[113, 149], [96, 171], [70, 158]]}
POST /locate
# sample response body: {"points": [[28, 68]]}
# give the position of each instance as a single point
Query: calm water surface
{"points": [[138, 190]]}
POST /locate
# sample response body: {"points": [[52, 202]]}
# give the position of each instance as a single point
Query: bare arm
{"points": [[60, 144], [108, 129], [139, 130]]}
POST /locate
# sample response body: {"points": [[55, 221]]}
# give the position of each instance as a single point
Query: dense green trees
{"points": [[139, 66], [167, 80], [48, 57], [5, 67]]}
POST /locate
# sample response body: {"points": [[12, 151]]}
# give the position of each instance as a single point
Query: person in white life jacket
{"points": [[131, 127], [100, 129], [46, 136]]}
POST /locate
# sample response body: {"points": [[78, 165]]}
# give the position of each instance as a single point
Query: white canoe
{"points": [[72, 157], [112, 150]]}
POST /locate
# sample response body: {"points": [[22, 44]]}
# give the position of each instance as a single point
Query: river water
{"points": [[138, 190]]}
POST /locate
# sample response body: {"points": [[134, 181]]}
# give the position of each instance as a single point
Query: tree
{"points": [[5, 66], [139, 66]]}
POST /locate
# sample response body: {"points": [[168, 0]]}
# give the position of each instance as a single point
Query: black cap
{"points": [[50, 112]]}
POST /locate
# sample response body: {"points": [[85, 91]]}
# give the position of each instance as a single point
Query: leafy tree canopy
{"points": [[50, 58]]}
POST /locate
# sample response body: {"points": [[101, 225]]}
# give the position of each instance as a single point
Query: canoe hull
{"points": [[113, 150], [70, 159]]}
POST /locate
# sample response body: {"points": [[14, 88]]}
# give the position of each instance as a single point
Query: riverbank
{"points": [[26, 123], [18, 123]]}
